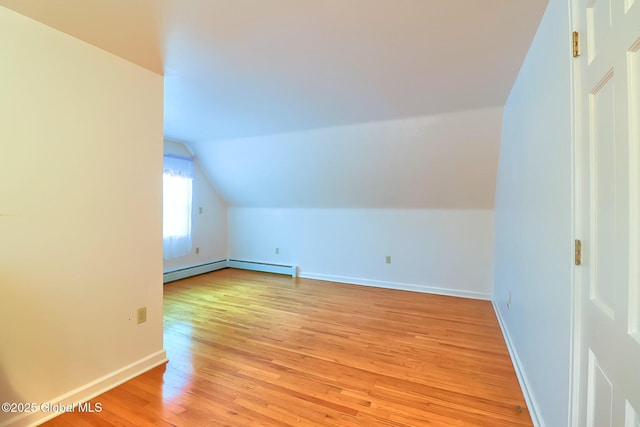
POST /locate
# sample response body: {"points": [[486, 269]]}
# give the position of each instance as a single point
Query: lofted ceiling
{"points": [[240, 70], [448, 161]]}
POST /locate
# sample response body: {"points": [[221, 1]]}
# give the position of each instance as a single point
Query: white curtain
{"points": [[177, 186]]}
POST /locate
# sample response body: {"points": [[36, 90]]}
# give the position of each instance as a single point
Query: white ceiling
{"points": [[241, 68], [448, 161], [324, 103]]}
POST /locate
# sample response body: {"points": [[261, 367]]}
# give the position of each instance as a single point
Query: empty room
{"points": [[320, 213]]}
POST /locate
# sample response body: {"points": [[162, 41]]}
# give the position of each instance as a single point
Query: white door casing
{"points": [[606, 385]]}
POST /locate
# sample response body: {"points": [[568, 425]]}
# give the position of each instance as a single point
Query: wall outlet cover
{"points": [[142, 315]]}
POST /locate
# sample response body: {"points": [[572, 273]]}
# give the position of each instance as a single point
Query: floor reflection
{"points": [[179, 372]]}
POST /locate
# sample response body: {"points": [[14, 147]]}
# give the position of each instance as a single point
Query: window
{"points": [[177, 183]]}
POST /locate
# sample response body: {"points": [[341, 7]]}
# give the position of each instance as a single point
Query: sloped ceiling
{"points": [[237, 70], [446, 162]]}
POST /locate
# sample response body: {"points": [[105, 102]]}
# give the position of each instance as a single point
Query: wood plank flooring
{"points": [[255, 349]]}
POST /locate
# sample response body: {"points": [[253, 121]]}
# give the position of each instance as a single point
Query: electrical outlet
{"points": [[142, 315], [200, 210], [388, 259], [277, 251], [197, 251], [509, 301]]}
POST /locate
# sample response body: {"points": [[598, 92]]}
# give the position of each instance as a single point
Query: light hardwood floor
{"points": [[254, 349]]}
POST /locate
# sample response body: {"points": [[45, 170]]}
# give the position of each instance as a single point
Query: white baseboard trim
{"points": [[399, 286], [289, 270], [534, 409], [91, 390], [183, 273]]}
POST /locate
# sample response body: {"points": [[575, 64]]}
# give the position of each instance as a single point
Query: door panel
{"points": [[598, 16], [608, 213], [603, 196], [633, 420], [600, 395]]}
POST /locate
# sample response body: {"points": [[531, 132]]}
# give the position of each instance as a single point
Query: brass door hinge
{"points": [[576, 44], [578, 248]]}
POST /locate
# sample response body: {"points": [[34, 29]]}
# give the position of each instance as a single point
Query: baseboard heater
{"points": [[183, 273], [289, 270]]}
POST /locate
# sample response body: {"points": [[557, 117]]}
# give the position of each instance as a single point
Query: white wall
{"points": [[209, 228], [441, 251], [80, 231], [533, 211], [337, 200]]}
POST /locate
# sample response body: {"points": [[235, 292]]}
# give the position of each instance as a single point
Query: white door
{"points": [[607, 74]]}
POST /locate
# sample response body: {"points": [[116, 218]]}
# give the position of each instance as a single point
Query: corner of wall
{"points": [[209, 218]]}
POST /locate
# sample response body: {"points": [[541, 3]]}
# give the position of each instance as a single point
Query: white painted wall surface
{"points": [[80, 231], [442, 251], [209, 228], [448, 161], [533, 211]]}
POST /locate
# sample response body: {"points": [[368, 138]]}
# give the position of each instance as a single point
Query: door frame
{"points": [[577, 285]]}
